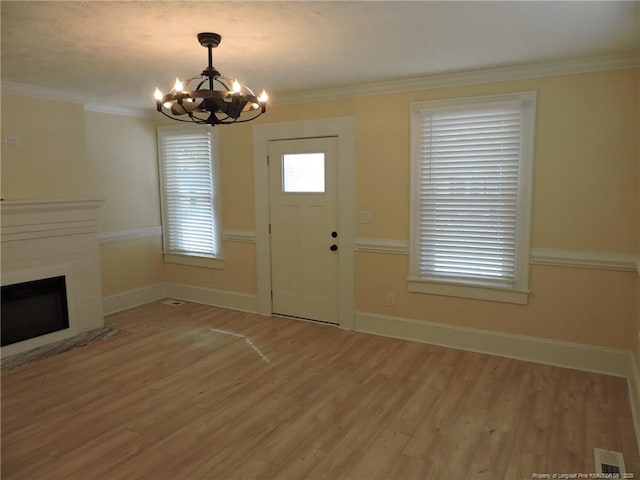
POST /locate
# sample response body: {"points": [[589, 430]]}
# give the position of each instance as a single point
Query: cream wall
{"points": [[123, 170], [50, 161]]}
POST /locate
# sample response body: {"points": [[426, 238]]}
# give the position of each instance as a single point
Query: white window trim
{"points": [[196, 260], [519, 292]]}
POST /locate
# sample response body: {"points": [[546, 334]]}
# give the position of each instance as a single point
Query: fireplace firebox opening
{"points": [[34, 308]]}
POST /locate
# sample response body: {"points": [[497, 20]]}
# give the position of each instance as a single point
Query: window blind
{"points": [[189, 194], [468, 193]]}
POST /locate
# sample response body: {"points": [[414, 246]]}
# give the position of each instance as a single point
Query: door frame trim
{"points": [[342, 128]]}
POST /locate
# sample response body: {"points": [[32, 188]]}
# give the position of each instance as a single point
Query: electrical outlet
{"points": [[391, 299]]}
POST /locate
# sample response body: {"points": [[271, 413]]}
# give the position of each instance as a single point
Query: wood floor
{"points": [[194, 392]]}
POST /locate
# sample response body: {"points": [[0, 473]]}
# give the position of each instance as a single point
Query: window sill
{"points": [[194, 260], [478, 292]]}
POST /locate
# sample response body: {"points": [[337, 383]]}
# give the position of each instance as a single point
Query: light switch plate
{"points": [[12, 141], [365, 216]]}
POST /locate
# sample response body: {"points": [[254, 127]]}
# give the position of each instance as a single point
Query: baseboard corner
{"points": [[243, 302], [133, 298]]}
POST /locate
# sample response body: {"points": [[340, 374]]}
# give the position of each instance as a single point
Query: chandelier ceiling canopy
{"points": [[210, 98]]}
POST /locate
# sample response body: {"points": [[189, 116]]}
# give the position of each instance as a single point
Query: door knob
{"points": [[333, 247]]}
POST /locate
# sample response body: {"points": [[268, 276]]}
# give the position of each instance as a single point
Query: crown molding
{"points": [[35, 91], [124, 111], [500, 74]]}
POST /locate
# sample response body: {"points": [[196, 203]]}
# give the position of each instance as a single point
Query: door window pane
{"points": [[303, 173]]}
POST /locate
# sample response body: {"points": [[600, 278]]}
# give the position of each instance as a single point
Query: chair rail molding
{"points": [[129, 235], [238, 236], [627, 262], [382, 245]]}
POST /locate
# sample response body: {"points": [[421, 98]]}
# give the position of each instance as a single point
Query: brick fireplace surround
{"points": [[48, 238]]}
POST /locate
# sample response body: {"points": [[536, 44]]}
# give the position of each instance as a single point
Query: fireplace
{"points": [[50, 271], [35, 308]]}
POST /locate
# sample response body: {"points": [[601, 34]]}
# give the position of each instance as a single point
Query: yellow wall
{"points": [[236, 170], [637, 332], [569, 304], [586, 157], [238, 275], [51, 159], [131, 265], [585, 199], [235, 166]]}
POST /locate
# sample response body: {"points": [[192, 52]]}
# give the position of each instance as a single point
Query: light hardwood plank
{"points": [[200, 392]]}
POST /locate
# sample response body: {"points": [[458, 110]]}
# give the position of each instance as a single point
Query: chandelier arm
{"points": [[174, 118], [248, 119], [197, 119], [222, 83], [221, 120], [234, 120]]}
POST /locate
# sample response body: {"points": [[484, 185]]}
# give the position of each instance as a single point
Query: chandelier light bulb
{"points": [[178, 86], [236, 88], [157, 94], [264, 97]]}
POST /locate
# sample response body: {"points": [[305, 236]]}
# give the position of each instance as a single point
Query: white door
{"points": [[304, 228]]}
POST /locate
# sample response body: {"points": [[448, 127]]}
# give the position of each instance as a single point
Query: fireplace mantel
{"points": [[44, 238], [25, 219]]}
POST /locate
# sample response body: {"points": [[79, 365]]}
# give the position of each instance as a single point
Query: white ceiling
{"points": [[115, 53]]}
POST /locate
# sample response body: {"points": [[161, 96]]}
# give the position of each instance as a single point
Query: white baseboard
{"points": [[243, 302], [133, 298], [218, 298], [589, 358]]}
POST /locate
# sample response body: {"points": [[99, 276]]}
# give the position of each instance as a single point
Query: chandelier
{"points": [[210, 98]]}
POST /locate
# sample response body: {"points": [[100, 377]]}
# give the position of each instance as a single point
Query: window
{"points": [[471, 196], [303, 173], [190, 196]]}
